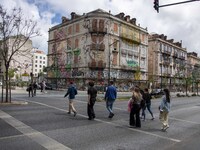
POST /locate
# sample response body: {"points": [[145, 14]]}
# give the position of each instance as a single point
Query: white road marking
{"points": [[36, 136], [10, 137], [114, 124]]}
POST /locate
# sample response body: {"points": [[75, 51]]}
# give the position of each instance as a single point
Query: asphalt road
{"points": [[43, 123]]}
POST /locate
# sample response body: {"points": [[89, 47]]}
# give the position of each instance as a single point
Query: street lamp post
{"points": [[161, 58]]}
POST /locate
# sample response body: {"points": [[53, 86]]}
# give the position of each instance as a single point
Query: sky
{"points": [[178, 22]]}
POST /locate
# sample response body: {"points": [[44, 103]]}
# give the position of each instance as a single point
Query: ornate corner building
{"points": [[97, 46]]}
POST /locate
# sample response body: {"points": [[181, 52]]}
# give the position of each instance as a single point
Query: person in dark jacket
{"points": [[71, 92], [92, 94], [110, 96], [30, 89], [34, 88], [147, 99]]}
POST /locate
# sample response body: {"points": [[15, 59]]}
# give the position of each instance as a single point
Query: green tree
{"points": [[11, 73], [15, 31]]}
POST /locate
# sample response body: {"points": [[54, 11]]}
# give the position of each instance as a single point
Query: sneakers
{"points": [[165, 128], [152, 118], [111, 115], [90, 118], [75, 114], [68, 112]]}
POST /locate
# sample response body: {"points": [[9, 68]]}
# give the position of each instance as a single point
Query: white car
{"points": [[1, 83]]}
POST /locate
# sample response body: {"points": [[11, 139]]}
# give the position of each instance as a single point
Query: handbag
{"points": [[28, 89], [130, 105]]}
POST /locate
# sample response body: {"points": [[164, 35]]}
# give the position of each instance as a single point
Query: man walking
{"points": [[34, 88], [71, 92], [110, 96], [92, 94]]}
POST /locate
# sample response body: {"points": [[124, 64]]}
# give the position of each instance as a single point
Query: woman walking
{"points": [[164, 110], [147, 98], [135, 109]]}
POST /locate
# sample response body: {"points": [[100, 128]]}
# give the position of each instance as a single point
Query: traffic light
{"points": [[156, 5]]}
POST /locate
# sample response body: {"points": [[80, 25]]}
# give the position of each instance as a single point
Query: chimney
{"points": [[121, 15], [64, 19], [73, 15], [171, 40], [133, 21], [127, 18]]}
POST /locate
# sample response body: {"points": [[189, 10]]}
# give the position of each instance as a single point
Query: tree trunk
{"points": [[7, 84]]}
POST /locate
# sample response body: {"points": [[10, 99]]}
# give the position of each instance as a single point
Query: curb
{"points": [[14, 103]]}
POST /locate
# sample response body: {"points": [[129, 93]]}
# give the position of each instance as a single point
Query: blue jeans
{"points": [[109, 105], [148, 105]]}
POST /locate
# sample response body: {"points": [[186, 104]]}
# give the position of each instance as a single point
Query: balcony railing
{"points": [[98, 30], [182, 57], [97, 64], [100, 47], [175, 55], [166, 52]]}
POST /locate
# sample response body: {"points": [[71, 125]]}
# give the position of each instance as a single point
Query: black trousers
{"points": [[135, 116], [34, 91], [90, 110], [30, 92]]}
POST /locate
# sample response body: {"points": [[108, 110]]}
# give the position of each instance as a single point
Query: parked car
{"points": [[50, 86], [1, 83], [156, 92]]}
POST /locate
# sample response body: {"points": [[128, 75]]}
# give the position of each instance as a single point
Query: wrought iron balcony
{"points": [[97, 64]]}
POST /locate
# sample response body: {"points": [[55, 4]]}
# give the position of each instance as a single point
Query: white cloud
{"points": [[180, 22]]}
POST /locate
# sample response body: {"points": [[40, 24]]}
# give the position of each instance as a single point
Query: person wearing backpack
{"points": [[71, 92], [165, 109], [92, 94]]}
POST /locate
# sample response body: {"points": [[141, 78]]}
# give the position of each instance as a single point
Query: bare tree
{"points": [[15, 31]]}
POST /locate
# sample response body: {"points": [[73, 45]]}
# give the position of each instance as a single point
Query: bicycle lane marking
{"points": [[106, 122], [35, 135]]}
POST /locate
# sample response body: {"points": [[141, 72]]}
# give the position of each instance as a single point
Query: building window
{"points": [[44, 58], [36, 57], [40, 62], [76, 43], [35, 70], [40, 57], [36, 61], [35, 65], [70, 30], [40, 66], [115, 28], [77, 28], [94, 24], [43, 62]]}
